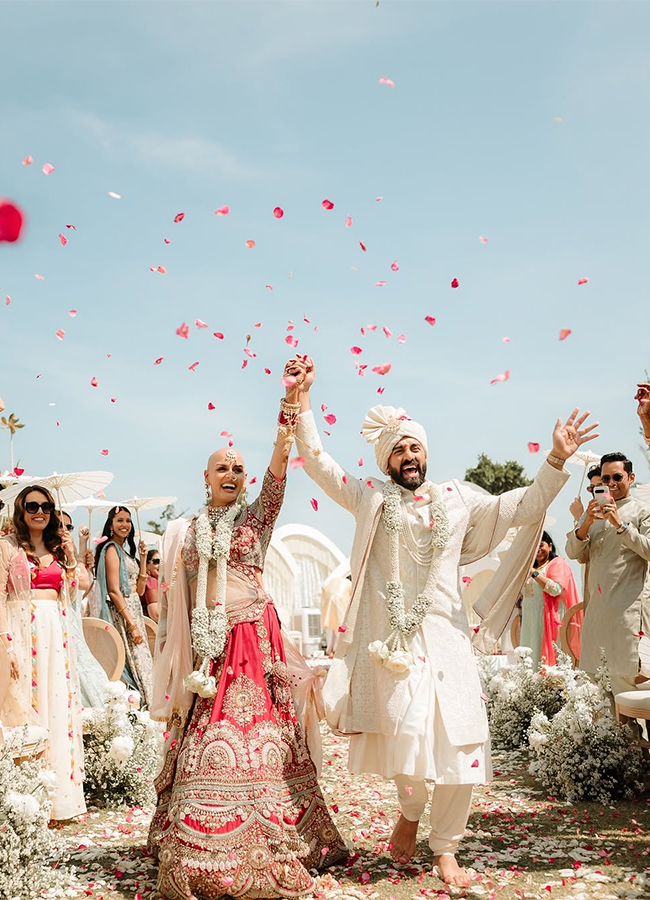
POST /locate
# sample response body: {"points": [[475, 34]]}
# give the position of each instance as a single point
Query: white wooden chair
{"points": [[106, 645], [32, 741], [152, 630], [569, 635]]}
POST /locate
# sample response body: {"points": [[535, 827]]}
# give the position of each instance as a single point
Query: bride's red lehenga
{"points": [[240, 811]]}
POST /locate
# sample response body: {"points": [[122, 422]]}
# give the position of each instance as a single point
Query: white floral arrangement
{"points": [[122, 746], [25, 841], [516, 694], [582, 752]]}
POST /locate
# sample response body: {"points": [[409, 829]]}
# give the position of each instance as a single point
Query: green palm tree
{"points": [[13, 424]]}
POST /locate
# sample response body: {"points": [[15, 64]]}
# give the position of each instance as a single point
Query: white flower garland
{"points": [[214, 528], [393, 652]]}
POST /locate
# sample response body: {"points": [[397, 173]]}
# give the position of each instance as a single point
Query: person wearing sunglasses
{"points": [[150, 596], [38, 584], [614, 538], [576, 507]]}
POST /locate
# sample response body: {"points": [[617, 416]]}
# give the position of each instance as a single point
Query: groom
{"points": [[404, 683]]}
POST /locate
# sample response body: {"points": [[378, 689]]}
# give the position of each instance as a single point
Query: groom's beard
{"points": [[414, 480]]}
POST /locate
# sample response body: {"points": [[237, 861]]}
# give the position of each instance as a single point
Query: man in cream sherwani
{"points": [[404, 682]]}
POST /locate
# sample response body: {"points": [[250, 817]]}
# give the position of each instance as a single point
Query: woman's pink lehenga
{"points": [[240, 811]]}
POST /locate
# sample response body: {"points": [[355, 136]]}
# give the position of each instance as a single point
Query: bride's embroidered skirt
{"points": [[239, 810]]}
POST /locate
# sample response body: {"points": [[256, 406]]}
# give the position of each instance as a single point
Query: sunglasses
{"points": [[33, 507], [156, 562], [70, 527], [617, 477]]}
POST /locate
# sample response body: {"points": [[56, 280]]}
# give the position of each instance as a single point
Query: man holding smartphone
{"points": [[613, 536]]}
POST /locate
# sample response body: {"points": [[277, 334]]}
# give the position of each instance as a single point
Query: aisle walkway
{"points": [[523, 845]]}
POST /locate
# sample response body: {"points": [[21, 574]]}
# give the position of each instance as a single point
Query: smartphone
{"points": [[602, 495]]}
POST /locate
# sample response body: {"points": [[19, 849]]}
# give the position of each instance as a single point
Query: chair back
{"points": [[5, 675], [106, 645], [151, 628], [570, 633], [515, 632]]}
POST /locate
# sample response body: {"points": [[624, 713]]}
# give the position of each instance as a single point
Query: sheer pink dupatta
{"points": [[560, 571]]}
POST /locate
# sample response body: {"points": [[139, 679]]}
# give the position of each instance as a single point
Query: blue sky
{"points": [[186, 107]]}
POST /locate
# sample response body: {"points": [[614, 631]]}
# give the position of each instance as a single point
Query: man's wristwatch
{"points": [[624, 527]]}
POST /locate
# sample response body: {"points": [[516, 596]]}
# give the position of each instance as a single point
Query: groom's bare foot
{"points": [[402, 840], [450, 872]]}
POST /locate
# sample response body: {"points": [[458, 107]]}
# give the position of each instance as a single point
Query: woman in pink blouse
{"points": [[240, 812]]}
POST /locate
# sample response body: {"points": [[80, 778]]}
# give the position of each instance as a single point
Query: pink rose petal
{"points": [[356, 351], [11, 222], [314, 504], [278, 212], [60, 334], [430, 319], [74, 227], [348, 222], [183, 330], [387, 81], [383, 369], [222, 211], [104, 452], [379, 283], [192, 368], [63, 239], [583, 280], [327, 204], [401, 339], [158, 361], [506, 340], [166, 240], [179, 217], [387, 331], [483, 240], [250, 244], [200, 323], [218, 335], [330, 418], [533, 447], [226, 434], [94, 382], [503, 377], [455, 282], [291, 341], [211, 406], [47, 169], [296, 463], [72, 313], [363, 246], [394, 266], [28, 161], [564, 333]]}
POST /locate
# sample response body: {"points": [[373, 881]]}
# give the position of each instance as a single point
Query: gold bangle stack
{"points": [[287, 421], [555, 460]]}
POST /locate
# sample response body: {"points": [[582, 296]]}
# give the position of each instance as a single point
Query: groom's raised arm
{"points": [[339, 485]]}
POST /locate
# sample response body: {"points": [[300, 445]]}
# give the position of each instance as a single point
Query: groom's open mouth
{"points": [[410, 470]]}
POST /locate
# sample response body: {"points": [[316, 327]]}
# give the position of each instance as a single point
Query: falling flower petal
{"points": [[583, 280], [161, 269], [11, 222], [192, 368], [506, 340], [222, 211], [166, 240], [28, 161], [158, 361], [226, 434], [360, 461], [39, 277], [387, 81], [379, 283], [179, 217], [401, 339], [363, 246], [327, 204], [533, 447], [63, 239], [60, 334], [218, 335], [278, 212], [378, 199], [564, 333], [47, 169], [387, 331], [288, 380], [383, 369], [74, 227], [211, 406], [100, 540], [356, 351], [483, 240], [314, 504], [455, 282], [380, 390], [503, 377], [114, 195], [72, 313], [394, 266], [292, 341], [183, 330], [330, 418], [430, 319], [104, 452], [268, 371], [249, 352], [94, 382], [348, 222], [296, 463], [269, 286], [200, 323], [250, 244]]}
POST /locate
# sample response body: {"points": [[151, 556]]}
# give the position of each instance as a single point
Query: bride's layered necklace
{"points": [[393, 652]]}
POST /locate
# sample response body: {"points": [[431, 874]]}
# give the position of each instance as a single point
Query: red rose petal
{"points": [[455, 282], [327, 204], [179, 217], [278, 212], [314, 504], [533, 447], [11, 222]]}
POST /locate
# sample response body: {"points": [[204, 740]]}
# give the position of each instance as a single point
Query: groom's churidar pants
{"points": [[450, 807]]}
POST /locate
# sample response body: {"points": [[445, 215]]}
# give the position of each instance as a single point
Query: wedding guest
{"points": [[150, 596], [643, 409], [549, 592], [614, 538], [121, 578], [240, 811], [38, 584], [576, 507]]}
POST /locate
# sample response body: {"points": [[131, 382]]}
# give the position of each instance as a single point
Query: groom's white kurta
{"points": [[395, 715]]}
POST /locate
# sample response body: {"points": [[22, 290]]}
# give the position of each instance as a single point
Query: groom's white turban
{"points": [[385, 426]]}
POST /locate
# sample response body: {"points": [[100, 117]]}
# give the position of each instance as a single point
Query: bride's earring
{"points": [[208, 494]]}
